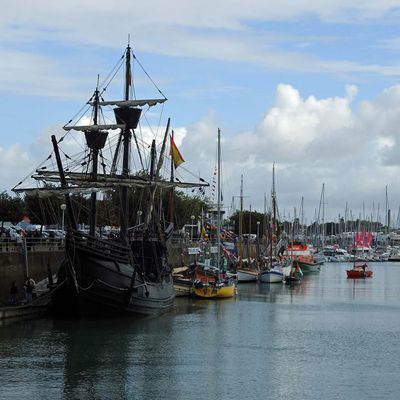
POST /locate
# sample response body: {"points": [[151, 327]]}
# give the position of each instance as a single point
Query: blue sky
{"points": [[309, 85]]}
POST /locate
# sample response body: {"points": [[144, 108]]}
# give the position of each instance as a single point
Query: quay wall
{"points": [[15, 264]]}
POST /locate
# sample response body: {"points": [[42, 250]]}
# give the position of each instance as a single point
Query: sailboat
{"points": [[102, 276], [360, 270], [221, 286], [274, 273], [244, 273]]}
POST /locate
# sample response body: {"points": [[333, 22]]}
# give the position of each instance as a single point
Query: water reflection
{"points": [[263, 292], [95, 355], [269, 342]]}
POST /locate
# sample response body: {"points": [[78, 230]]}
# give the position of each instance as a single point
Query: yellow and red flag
{"points": [[175, 154]]}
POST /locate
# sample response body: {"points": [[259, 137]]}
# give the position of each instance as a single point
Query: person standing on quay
{"points": [[29, 285], [13, 294]]}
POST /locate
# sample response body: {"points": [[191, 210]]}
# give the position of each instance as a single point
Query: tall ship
{"points": [[127, 272]]}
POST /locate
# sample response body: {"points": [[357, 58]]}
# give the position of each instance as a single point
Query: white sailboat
{"points": [[244, 274], [274, 273]]}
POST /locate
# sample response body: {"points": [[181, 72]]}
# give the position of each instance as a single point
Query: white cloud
{"points": [[14, 166], [353, 149], [49, 34], [312, 141]]}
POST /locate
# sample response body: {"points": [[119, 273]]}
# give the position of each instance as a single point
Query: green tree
{"points": [[11, 208]]}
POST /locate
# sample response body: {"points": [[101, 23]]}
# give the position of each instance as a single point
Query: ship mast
{"points": [[126, 139], [95, 160]]}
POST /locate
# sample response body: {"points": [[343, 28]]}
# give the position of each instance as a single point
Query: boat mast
{"points": [[95, 160], [302, 217], [64, 184], [249, 238], [387, 216], [126, 138], [241, 223], [273, 219], [219, 203], [171, 193], [323, 215]]}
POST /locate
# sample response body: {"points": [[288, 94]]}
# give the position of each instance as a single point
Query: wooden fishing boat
{"points": [[302, 256], [220, 286], [359, 271], [216, 290], [182, 281], [246, 274], [273, 274], [292, 273]]}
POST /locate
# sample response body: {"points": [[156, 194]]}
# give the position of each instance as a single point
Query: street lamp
{"points": [[63, 208], [139, 213], [258, 230], [191, 227]]}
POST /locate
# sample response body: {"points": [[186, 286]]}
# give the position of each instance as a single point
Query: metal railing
{"points": [[32, 244]]}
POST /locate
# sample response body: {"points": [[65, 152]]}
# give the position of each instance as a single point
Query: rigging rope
{"points": [[151, 80]]}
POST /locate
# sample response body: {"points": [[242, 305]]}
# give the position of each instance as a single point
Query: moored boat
{"points": [[271, 276], [128, 274], [359, 271], [246, 274], [221, 286], [302, 257], [274, 272], [292, 273], [219, 290], [183, 282]]}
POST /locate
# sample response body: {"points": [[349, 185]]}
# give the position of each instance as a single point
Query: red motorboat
{"points": [[359, 271]]}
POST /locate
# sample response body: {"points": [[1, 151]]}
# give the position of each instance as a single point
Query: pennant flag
{"points": [[175, 154], [362, 238], [368, 239], [356, 239], [204, 234]]}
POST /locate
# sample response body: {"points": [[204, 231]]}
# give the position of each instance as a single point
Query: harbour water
{"points": [[327, 338]]}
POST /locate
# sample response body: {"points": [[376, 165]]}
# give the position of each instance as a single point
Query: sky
{"points": [[310, 85]]}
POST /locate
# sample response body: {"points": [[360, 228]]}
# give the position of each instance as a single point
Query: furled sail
{"points": [[88, 128], [131, 103]]}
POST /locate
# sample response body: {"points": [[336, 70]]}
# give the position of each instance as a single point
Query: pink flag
{"points": [[356, 239], [368, 239], [362, 237]]}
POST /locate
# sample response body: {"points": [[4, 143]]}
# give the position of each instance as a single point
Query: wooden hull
{"points": [[38, 308], [244, 275], [355, 274], [308, 267], [292, 280], [96, 283], [183, 287], [271, 276], [215, 292], [102, 299]]}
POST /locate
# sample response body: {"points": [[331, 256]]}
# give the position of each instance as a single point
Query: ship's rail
{"points": [[100, 247]]}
